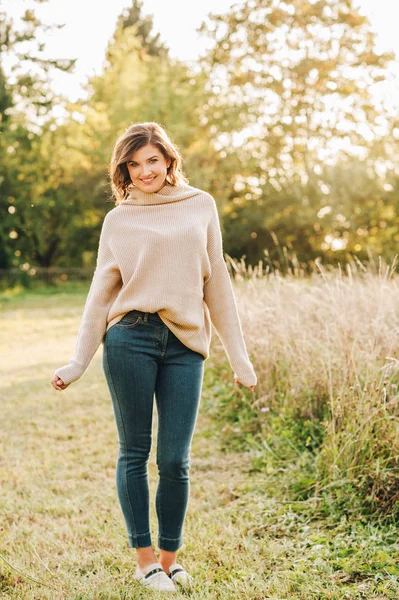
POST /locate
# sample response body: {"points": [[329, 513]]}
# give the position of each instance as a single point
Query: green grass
{"points": [[62, 533], [49, 294]]}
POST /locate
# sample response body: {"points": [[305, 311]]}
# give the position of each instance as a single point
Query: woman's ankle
{"points": [[167, 559], [146, 556]]}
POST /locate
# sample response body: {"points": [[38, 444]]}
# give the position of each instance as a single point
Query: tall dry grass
{"points": [[326, 352], [62, 531]]}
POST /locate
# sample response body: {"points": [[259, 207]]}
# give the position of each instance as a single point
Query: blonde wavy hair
{"points": [[134, 137]]}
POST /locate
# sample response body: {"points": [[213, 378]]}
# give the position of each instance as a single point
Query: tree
{"points": [[297, 79], [27, 84], [26, 102], [51, 209], [150, 43]]}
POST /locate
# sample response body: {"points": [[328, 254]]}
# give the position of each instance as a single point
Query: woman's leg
{"points": [[177, 392], [131, 369]]}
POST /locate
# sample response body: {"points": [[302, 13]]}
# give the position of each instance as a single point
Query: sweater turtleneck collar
{"points": [[168, 193]]}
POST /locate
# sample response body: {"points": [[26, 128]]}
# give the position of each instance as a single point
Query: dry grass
{"points": [[62, 530], [326, 350], [60, 520]]}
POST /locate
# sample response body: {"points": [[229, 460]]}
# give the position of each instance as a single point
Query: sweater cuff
{"points": [[69, 373], [245, 374]]}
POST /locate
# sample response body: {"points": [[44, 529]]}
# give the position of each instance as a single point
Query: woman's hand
{"points": [[239, 384], [58, 384]]}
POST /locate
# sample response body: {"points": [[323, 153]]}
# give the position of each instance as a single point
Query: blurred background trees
{"points": [[280, 121], [298, 79]]}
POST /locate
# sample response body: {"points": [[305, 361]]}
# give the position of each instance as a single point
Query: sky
{"points": [[89, 24]]}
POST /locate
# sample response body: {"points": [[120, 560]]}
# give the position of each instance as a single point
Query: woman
{"points": [[159, 283]]}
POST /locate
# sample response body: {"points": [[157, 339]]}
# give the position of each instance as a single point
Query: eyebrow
{"points": [[151, 157]]}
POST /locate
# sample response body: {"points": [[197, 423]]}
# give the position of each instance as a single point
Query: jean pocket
{"points": [[129, 320]]}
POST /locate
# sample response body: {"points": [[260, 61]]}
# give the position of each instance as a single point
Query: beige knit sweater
{"points": [[162, 252]]}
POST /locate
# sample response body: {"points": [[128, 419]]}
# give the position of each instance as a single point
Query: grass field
{"points": [[62, 533]]}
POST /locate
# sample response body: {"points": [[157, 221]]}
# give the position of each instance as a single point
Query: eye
{"points": [[133, 164]]}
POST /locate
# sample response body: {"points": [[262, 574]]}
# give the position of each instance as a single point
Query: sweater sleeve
{"points": [[104, 288], [220, 299]]}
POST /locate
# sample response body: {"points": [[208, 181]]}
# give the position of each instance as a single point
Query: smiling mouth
{"points": [[148, 180]]}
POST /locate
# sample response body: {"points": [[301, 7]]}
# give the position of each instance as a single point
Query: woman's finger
{"points": [[58, 384], [251, 387]]}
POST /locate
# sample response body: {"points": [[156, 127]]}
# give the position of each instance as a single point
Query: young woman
{"points": [[159, 284]]}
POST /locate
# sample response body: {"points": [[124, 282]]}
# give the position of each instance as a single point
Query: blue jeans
{"points": [[142, 357]]}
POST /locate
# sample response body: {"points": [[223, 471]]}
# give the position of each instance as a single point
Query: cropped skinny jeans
{"points": [[143, 358]]}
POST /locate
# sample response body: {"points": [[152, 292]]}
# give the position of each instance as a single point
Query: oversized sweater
{"points": [[162, 252]]}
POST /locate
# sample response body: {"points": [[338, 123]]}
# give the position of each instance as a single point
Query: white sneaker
{"points": [[180, 576], [154, 577]]}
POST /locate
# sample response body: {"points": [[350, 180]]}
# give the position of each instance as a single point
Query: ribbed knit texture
{"points": [[162, 252]]}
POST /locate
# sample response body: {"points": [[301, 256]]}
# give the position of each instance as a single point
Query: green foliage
{"points": [[50, 211], [28, 88], [328, 56], [292, 85], [26, 104], [276, 121], [299, 451]]}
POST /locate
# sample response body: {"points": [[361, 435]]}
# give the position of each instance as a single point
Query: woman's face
{"points": [[148, 168]]}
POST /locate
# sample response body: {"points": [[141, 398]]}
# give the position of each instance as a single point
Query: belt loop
{"points": [[146, 317]]}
